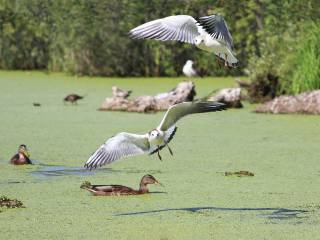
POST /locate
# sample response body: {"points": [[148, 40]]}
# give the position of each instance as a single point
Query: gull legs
{"points": [[158, 152], [170, 150], [218, 61], [222, 62]]}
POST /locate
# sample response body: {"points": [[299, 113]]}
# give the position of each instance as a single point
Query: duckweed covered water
{"points": [[281, 200]]}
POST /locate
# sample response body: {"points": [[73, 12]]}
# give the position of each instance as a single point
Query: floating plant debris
{"points": [[239, 174], [10, 203]]}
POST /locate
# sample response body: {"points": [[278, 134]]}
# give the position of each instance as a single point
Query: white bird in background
{"points": [[209, 33], [188, 69], [118, 92], [128, 144]]}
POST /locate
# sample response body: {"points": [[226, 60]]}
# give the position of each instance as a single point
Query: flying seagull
{"points": [[188, 69], [209, 33], [128, 144]]}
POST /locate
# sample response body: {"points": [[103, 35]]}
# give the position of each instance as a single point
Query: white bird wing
{"points": [[217, 27], [177, 111], [183, 28], [119, 146]]}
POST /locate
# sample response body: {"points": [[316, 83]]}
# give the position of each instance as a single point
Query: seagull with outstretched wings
{"points": [[128, 144], [209, 33]]}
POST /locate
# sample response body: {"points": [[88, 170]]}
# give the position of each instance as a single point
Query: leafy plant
{"points": [[306, 76]]}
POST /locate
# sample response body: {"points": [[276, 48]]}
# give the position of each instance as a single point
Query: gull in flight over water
{"points": [[209, 33], [128, 144]]}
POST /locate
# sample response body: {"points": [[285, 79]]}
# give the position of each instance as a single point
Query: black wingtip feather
{"points": [[90, 166], [208, 106], [172, 134], [207, 24]]}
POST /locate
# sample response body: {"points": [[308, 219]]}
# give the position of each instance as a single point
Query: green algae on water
{"points": [[199, 202]]}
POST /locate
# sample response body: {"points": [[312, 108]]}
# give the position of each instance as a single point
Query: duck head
{"points": [[85, 184], [149, 179], [23, 150]]}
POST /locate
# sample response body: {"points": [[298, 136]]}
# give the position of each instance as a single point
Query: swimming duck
{"points": [[117, 190], [73, 98], [22, 157]]}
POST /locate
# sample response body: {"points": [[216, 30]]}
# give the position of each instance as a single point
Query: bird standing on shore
{"points": [[188, 69], [209, 33], [128, 144], [118, 92]]}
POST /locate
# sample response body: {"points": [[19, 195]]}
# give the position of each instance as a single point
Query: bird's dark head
{"points": [[23, 149], [149, 179]]}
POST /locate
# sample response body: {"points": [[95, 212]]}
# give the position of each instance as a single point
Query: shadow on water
{"points": [[12, 182], [271, 213], [284, 214], [157, 192], [47, 171]]}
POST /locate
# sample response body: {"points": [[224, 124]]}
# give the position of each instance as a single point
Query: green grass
{"points": [[281, 150], [306, 77]]}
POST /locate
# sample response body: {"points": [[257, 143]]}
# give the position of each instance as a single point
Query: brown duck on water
{"points": [[22, 157], [73, 98], [117, 190]]}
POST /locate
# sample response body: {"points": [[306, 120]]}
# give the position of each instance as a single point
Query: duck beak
{"points": [[159, 183]]}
